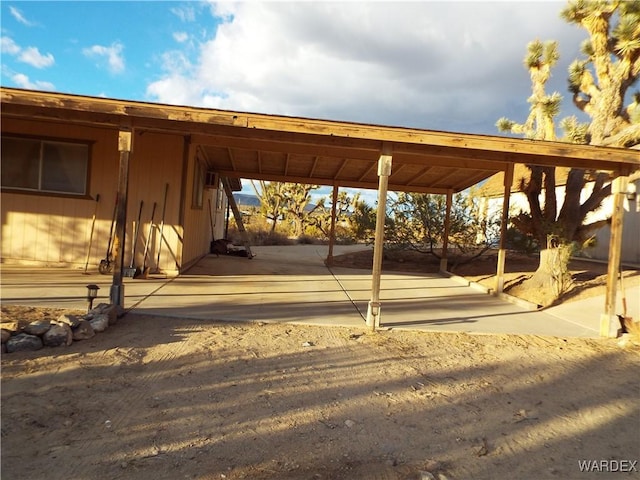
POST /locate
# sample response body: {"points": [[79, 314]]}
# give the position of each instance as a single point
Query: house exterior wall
{"points": [[203, 211], [54, 230], [630, 233], [630, 230], [155, 161]]}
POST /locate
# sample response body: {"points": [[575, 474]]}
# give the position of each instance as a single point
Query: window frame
{"points": [[43, 140]]}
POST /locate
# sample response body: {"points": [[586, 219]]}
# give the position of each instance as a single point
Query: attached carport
{"points": [[339, 154]]}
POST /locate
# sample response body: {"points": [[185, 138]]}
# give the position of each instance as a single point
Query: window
{"points": [[44, 166]]}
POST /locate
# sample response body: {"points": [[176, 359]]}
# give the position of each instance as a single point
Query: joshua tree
{"points": [[599, 83]]}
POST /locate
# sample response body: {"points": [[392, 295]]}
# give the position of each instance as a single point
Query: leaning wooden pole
{"points": [[116, 293], [332, 233], [608, 320], [237, 215], [504, 223], [384, 170]]}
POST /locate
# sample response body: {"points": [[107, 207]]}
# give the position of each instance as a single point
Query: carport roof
{"points": [[280, 148]]}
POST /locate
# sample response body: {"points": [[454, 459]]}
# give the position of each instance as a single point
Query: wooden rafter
{"points": [[397, 170], [231, 159], [367, 172], [343, 165], [442, 178], [418, 177], [313, 167]]}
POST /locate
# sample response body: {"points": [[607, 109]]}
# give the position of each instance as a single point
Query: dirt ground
{"points": [[166, 398]]}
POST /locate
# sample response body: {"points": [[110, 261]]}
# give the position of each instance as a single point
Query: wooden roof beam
{"points": [[368, 171], [341, 168], [422, 173], [398, 169], [329, 181], [319, 147], [472, 179], [310, 132], [442, 178], [313, 167], [231, 160]]}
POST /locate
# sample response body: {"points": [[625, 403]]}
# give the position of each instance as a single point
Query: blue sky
{"points": [[451, 66]]}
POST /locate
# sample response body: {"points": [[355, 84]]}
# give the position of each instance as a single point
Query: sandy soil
{"points": [[163, 398]]}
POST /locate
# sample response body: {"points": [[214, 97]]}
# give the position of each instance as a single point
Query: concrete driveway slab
{"points": [[292, 284]]}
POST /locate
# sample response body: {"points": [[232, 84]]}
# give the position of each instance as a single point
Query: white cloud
{"points": [[28, 55], [181, 37], [9, 46], [445, 66], [33, 57], [184, 13], [112, 54], [22, 81], [17, 14]]}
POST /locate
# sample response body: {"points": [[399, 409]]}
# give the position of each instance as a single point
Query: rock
{"points": [[13, 326], [482, 449], [83, 331], [432, 465], [426, 476], [3, 348], [24, 342], [38, 327], [99, 323], [6, 335], [72, 320], [58, 335], [350, 423], [113, 311]]}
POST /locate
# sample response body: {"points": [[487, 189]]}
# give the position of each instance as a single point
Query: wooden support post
{"points": [[384, 170], [332, 233], [447, 230], [608, 320], [504, 222], [116, 293]]}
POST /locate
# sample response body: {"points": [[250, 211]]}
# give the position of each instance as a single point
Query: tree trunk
{"points": [[552, 278]]}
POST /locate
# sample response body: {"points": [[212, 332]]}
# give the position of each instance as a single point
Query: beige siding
{"points": [[156, 160], [55, 230], [48, 229], [196, 220], [630, 253]]}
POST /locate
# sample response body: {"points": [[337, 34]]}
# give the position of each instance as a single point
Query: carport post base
{"points": [[373, 315], [608, 325], [443, 264], [116, 295]]}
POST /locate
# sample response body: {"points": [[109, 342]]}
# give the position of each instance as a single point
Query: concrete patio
{"points": [[292, 284]]}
